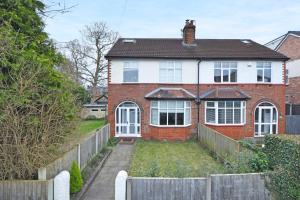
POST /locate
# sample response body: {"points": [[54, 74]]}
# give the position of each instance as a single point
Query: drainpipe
{"points": [[198, 98]]}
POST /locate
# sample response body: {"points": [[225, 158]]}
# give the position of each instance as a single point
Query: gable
{"points": [[290, 47]]}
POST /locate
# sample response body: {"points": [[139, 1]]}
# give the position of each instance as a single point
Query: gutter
{"points": [[198, 97]]}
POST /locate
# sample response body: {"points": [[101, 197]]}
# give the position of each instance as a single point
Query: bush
{"points": [[76, 180], [284, 158]]}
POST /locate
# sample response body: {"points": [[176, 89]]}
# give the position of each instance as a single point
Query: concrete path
{"points": [[104, 185]]}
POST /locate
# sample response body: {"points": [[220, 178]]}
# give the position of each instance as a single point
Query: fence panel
{"points": [[218, 143], [292, 125], [166, 188], [87, 150], [239, 186], [26, 189]]}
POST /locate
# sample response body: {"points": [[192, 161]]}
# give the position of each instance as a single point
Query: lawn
{"points": [[172, 159], [87, 126]]}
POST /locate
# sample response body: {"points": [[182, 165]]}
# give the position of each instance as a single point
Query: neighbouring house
{"points": [[96, 93], [95, 110], [289, 45], [162, 88]]}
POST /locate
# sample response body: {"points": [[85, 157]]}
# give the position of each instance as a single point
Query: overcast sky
{"points": [[260, 20]]}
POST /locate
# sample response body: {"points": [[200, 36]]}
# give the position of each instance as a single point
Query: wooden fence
{"points": [[82, 153], [26, 189], [292, 124], [218, 143], [214, 187]]}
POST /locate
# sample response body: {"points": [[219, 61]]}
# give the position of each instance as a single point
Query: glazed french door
{"points": [[265, 120], [128, 123]]}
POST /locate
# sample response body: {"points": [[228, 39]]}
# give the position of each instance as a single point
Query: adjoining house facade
{"points": [[161, 88], [289, 45]]}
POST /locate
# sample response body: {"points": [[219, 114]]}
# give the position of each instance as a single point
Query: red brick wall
{"points": [[118, 93], [291, 47], [293, 90]]}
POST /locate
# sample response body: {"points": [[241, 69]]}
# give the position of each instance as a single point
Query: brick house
{"points": [[161, 88], [289, 45]]}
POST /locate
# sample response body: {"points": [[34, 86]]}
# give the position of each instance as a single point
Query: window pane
{"points": [[217, 76], [171, 104], [237, 116], [225, 75], [130, 75], [229, 116], [229, 104], [274, 126], [221, 104], [187, 116], [163, 118], [154, 116], [154, 104], [163, 75], [210, 104], [178, 72], [180, 104], [237, 104], [256, 129], [256, 115], [210, 115], [180, 119], [163, 104], [267, 75], [221, 116], [188, 104], [233, 75], [259, 75], [171, 118], [274, 115]]}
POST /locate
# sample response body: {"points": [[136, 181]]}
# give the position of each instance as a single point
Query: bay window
{"points": [[170, 113], [225, 112], [170, 72], [225, 72]]}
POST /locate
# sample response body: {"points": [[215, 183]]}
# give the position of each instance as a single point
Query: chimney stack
{"points": [[189, 31]]}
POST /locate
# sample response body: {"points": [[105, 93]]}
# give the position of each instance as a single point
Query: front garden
{"points": [[172, 159]]}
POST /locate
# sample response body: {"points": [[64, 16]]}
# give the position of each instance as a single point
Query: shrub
{"points": [[259, 162], [284, 158], [112, 141], [76, 180]]}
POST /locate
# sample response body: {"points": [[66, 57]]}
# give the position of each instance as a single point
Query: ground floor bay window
{"points": [[225, 112], [170, 113]]}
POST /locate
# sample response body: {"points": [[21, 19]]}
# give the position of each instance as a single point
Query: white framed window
{"points": [[264, 72], [130, 72], [225, 72], [170, 72], [170, 113], [287, 76], [225, 112]]}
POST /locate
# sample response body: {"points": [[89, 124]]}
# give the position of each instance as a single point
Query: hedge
{"points": [[283, 154]]}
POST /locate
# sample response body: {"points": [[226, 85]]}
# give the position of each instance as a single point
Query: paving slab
{"points": [[103, 187]]}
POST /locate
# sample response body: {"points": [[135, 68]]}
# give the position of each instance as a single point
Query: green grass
{"points": [[87, 126], [172, 159]]}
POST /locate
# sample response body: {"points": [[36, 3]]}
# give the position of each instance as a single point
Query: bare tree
{"points": [[88, 56]]}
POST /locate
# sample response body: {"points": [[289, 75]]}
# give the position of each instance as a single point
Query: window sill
{"points": [[225, 124], [128, 135], [170, 126]]}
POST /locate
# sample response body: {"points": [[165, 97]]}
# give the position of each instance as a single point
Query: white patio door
{"points": [[265, 120], [127, 120]]}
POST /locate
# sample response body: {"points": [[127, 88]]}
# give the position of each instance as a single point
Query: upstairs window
{"points": [[263, 72], [225, 72], [170, 72], [130, 72]]}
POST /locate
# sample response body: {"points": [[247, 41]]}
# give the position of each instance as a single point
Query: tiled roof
{"points": [[204, 49], [170, 93], [224, 93]]}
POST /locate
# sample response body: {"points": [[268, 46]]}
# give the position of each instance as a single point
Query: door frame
{"points": [[271, 123], [137, 120]]}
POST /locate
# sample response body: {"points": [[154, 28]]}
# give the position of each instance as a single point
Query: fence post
{"points": [[42, 173], [78, 155], [120, 185], [97, 142], [208, 188]]}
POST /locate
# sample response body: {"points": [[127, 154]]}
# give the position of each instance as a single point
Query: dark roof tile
{"points": [[224, 93], [170, 93]]}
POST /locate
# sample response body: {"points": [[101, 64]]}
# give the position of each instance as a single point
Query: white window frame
{"points": [[264, 67], [229, 68], [185, 107], [130, 65], [170, 66], [287, 82], [243, 111]]}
